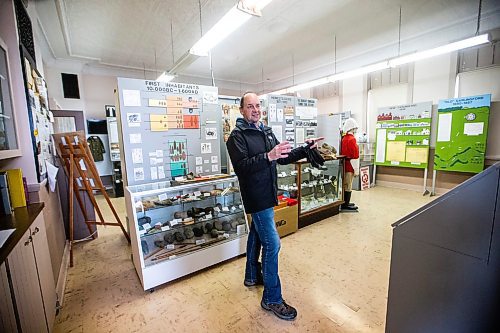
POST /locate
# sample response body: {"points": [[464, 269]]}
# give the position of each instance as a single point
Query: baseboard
{"points": [[63, 273], [410, 187]]}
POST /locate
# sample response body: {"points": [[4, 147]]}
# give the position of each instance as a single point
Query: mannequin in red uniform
{"points": [[350, 149]]}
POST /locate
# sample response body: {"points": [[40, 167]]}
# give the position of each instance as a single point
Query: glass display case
{"points": [[319, 191], [177, 230]]}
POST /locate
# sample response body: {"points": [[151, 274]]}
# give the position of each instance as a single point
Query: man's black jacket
{"points": [[247, 147]]}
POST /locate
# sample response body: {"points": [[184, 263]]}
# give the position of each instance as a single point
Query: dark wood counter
{"points": [[21, 220]]}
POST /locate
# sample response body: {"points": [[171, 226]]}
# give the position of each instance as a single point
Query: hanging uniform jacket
{"points": [[96, 148], [247, 147]]}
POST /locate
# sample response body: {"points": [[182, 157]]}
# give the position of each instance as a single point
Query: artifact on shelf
{"points": [[188, 233], [209, 226], [327, 150], [144, 247], [179, 237], [148, 204], [166, 202], [169, 238], [198, 231], [226, 226], [143, 220]]}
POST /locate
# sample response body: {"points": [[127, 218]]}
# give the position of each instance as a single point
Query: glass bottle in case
{"points": [[175, 226]]}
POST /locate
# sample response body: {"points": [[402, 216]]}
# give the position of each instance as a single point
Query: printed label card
{"points": [[206, 148], [210, 133], [134, 119]]}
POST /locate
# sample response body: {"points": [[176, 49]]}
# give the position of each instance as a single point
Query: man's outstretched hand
{"points": [[315, 141], [281, 150]]}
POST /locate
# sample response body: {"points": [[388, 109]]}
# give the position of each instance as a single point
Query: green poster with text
{"points": [[461, 133], [403, 135]]}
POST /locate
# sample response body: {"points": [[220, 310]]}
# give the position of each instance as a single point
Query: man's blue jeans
{"points": [[263, 234]]}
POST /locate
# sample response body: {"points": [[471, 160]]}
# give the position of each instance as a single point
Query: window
{"points": [[388, 77], [70, 85], [8, 139], [479, 57]]}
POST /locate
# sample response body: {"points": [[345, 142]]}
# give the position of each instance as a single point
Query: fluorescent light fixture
{"points": [[252, 7], [233, 19], [333, 78], [463, 44], [309, 84], [182, 63], [359, 71], [165, 77]]}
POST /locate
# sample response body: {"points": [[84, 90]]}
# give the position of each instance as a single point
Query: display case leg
{"points": [[433, 192], [425, 182]]}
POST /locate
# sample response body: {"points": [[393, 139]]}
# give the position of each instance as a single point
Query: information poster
{"points": [[41, 120], [230, 112], [293, 119], [281, 114], [403, 135], [165, 127], [306, 119], [461, 133]]}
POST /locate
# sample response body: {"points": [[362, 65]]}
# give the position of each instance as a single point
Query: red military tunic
{"points": [[350, 149]]}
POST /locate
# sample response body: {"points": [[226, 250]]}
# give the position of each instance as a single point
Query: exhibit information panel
{"points": [[306, 119], [280, 117], [461, 133], [292, 119], [168, 130], [403, 135]]}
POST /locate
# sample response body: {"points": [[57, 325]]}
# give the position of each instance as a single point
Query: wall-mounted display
{"points": [[292, 119], [230, 112], [461, 133], [281, 109], [403, 135], [306, 119], [114, 141], [171, 124], [41, 119]]}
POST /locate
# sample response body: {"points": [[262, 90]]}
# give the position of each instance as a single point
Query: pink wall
{"points": [[8, 32], [99, 91]]}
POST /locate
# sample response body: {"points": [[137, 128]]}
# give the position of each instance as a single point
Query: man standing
{"points": [[254, 152]]}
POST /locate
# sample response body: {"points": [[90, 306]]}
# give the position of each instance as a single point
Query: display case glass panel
{"points": [[288, 180], [171, 222], [315, 188], [320, 187]]}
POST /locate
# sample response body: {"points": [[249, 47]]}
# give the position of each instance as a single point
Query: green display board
{"points": [[403, 135], [461, 134]]}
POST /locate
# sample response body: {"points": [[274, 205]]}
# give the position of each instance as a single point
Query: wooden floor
{"points": [[335, 272]]}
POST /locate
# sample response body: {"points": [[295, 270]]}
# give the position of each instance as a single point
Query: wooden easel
{"points": [[79, 166]]}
